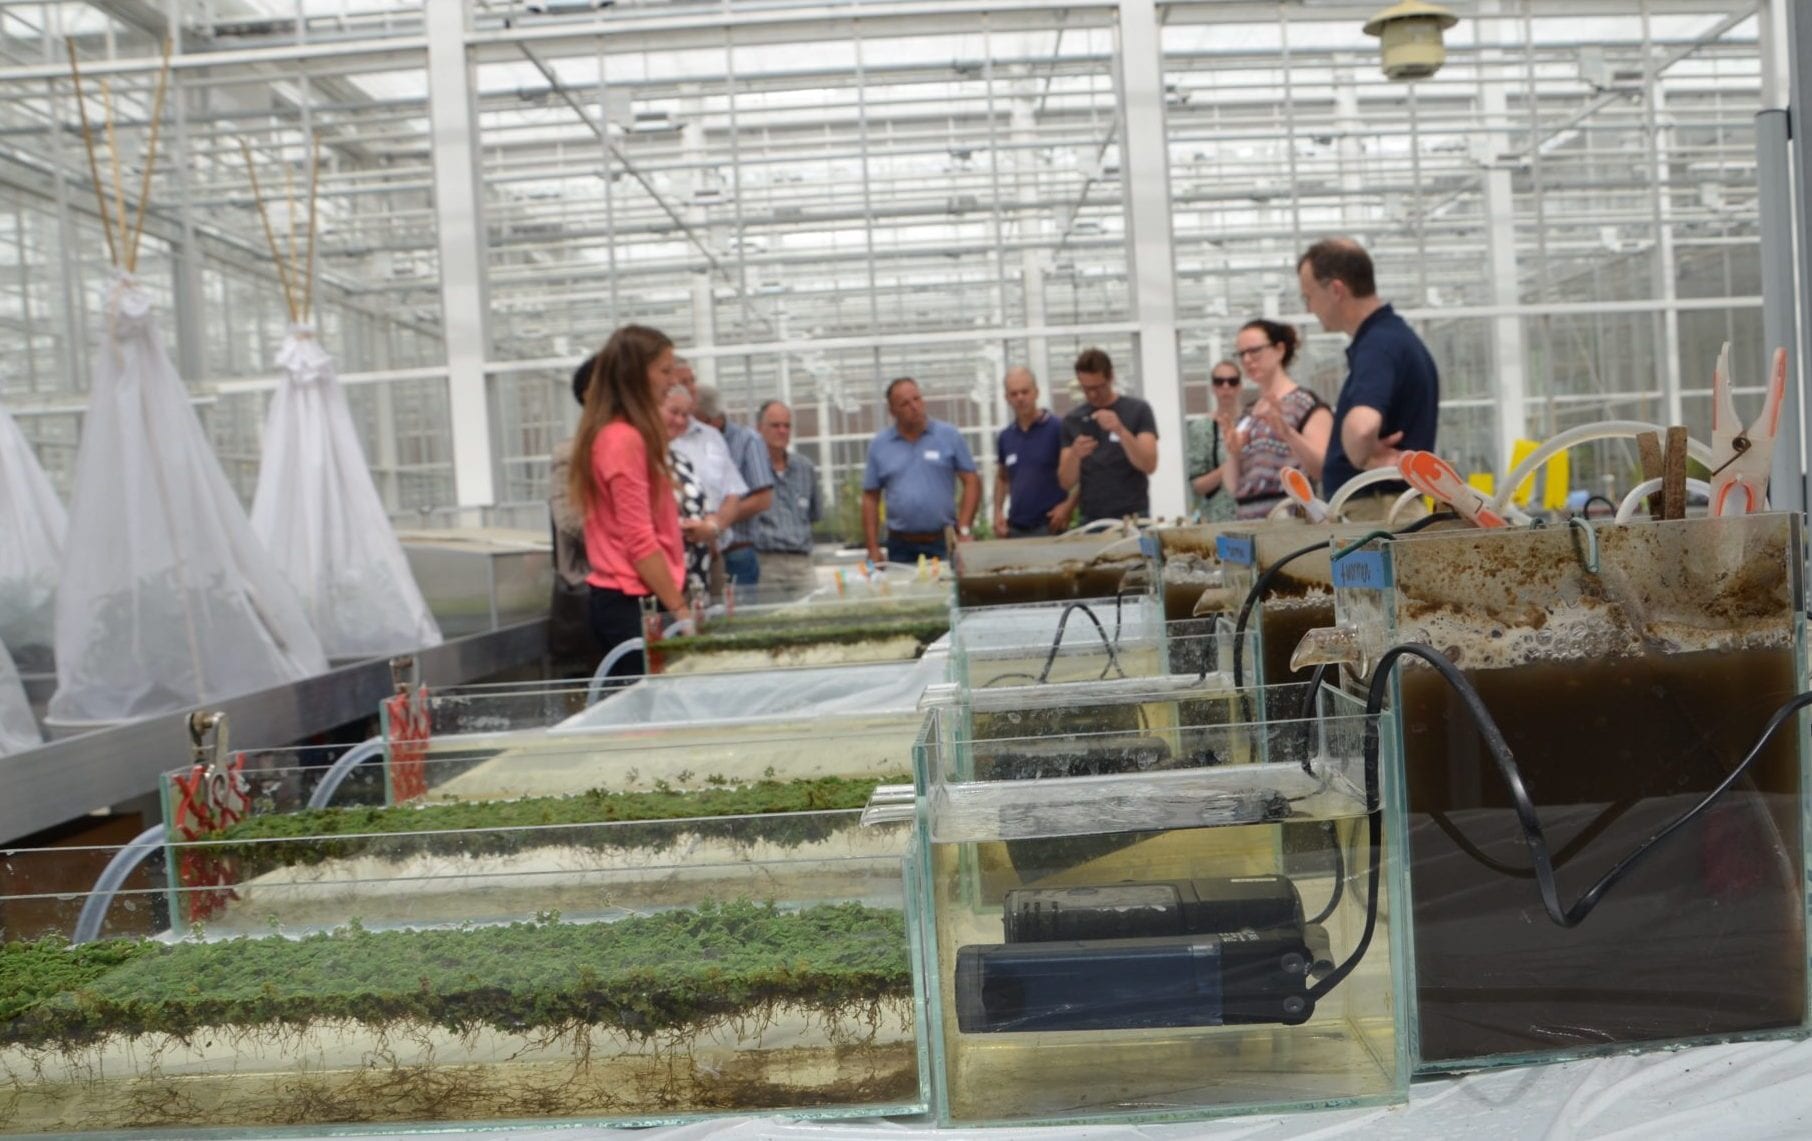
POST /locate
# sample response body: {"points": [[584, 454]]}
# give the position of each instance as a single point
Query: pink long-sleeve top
{"points": [[631, 516]]}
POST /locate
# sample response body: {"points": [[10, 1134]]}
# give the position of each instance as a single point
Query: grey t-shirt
{"points": [[1111, 485]]}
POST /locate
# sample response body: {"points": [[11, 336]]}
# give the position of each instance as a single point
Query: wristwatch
{"points": [[963, 531]]}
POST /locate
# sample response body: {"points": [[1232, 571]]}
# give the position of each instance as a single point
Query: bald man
{"points": [[1028, 499]]}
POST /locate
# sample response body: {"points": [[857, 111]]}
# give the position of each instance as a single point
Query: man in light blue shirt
{"points": [[915, 466]]}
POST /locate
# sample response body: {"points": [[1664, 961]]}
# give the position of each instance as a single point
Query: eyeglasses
{"points": [[1247, 354], [1224, 381]]}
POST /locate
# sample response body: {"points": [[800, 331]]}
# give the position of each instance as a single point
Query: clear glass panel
{"points": [[1629, 671], [1042, 642], [1003, 572], [470, 976], [1194, 904]]}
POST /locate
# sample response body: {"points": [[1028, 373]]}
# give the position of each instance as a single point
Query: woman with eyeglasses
{"points": [[1208, 445], [1289, 425]]}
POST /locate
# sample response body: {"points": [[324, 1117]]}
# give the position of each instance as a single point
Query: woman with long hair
{"points": [[625, 492], [1289, 426]]}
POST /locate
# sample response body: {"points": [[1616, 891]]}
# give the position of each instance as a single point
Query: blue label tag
{"points": [[1362, 570], [1236, 549], [1149, 546]]}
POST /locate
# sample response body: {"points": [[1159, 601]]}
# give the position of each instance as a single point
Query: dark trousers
{"points": [[742, 566], [906, 551], [615, 618]]}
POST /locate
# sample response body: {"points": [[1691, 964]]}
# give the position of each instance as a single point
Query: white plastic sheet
{"points": [[18, 729], [763, 695], [32, 526], [320, 517], [167, 598]]}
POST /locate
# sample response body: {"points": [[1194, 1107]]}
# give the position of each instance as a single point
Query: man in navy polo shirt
{"points": [[1391, 401], [915, 464], [1025, 471]]}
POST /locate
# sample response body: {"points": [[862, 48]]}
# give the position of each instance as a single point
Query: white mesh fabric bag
{"points": [[18, 729], [32, 525], [167, 598], [319, 515]]}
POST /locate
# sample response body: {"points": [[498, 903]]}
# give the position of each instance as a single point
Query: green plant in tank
{"points": [[780, 812], [645, 975], [727, 637]]}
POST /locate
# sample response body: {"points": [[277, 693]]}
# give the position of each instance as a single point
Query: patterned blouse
{"points": [[690, 494], [1267, 453]]}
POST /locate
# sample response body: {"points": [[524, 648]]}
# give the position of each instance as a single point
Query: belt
{"points": [[917, 536], [737, 547]]}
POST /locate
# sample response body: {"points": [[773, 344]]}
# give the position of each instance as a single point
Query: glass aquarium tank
{"points": [[1630, 670], [1081, 564], [521, 740], [442, 981], [1112, 927], [548, 821], [1038, 643], [858, 627], [1295, 561]]}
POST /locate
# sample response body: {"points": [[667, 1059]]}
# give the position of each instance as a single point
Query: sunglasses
{"points": [[1224, 381]]}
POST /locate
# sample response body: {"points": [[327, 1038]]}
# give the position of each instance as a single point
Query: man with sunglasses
{"points": [[1210, 442]]}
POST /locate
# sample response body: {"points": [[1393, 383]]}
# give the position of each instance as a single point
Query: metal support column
{"points": [[1507, 357], [1799, 69], [704, 331], [1774, 207], [1145, 175], [459, 214]]}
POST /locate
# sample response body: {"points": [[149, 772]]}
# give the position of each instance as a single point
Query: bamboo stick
{"points": [[144, 189], [94, 165], [270, 235], [289, 199], [314, 183], [119, 181]]}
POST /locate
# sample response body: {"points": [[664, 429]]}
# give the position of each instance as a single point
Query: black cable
{"points": [[1333, 835], [1259, 585], [1063, 621], [1118, 595], [1611, 814], [1263, 582], [1585, 509], [1375, 837], [1427, 521], [1527, 817], [1305, 716], [1008, 677], [1525, 809]]}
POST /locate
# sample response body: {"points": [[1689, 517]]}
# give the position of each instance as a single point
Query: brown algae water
{"points": [[1706, 938]]}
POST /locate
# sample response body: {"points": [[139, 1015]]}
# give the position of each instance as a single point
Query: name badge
{"points": [[1362, 570], [1012, 459], [932, 454], [1113, 437]]}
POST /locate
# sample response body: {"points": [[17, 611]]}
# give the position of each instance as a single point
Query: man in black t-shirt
{"points": [[1110, 444]]}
